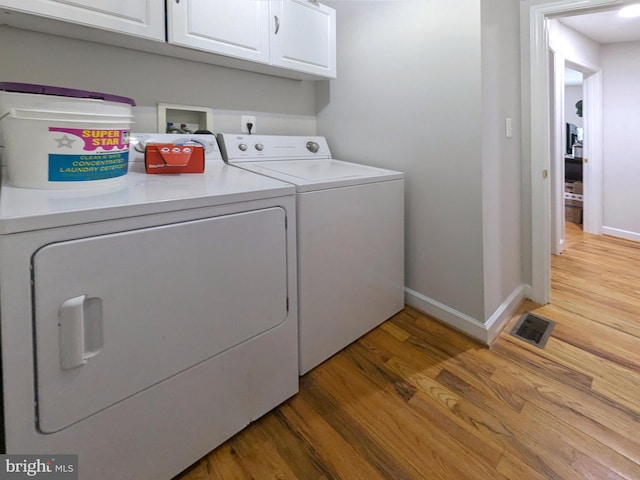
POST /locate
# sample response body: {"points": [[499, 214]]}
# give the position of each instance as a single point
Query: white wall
{"points": [[576, 49], [409, 96], [282, 105], [573, 46], [621, 78], [502, 170]]}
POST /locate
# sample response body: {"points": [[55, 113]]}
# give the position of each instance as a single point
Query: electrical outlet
{"points": [[244, 119]]}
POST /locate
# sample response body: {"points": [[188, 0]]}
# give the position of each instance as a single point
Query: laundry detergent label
{"points": [[78, 155]]}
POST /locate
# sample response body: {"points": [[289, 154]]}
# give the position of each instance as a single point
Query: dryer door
{"points": [[115, 314]]}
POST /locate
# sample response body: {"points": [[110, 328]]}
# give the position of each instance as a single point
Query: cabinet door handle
{"points": [[277, 20], [177, 1]]}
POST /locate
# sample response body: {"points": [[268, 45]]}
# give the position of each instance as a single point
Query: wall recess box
{"points": [[192, 117]]}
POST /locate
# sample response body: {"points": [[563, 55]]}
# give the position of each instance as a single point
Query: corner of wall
{"points": [[504, 312], [485, 333]]}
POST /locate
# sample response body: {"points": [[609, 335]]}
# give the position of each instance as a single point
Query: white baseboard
{"points": [[616, 232], [503, 314], [486, 332]]}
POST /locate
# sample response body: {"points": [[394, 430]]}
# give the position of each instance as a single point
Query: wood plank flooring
{"points": [[414, 399]]}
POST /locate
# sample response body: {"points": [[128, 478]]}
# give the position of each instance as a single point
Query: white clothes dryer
{"points": [[350, 237], [146, 323]]}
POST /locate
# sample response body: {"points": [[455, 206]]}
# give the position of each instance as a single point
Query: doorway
{"points": [[572, 131], [571, 177], [567, 137], [537, 124]]}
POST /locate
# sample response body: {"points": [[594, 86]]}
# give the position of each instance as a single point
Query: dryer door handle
{"points": [[80, 327]]}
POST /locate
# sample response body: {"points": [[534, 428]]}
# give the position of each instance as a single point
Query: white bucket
{"points": [[54, 141]]}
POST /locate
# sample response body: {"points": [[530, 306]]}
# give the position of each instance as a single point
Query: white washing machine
{"points": [[350, 237], [145, 324]]}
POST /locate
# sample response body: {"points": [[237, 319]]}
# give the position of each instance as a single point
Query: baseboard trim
{"points": [[616, 232], [503, 314], [485, 333]]}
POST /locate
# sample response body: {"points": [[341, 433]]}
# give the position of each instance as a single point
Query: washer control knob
{"points": [[259, 147], [243, 147], [313, 147]]}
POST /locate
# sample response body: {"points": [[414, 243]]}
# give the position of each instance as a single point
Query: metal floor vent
{"points": [[533, 329]]}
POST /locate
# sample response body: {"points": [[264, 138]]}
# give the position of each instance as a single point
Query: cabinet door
{"points": [[116, 314], [237, 28], [304, 36], [143, 18]]}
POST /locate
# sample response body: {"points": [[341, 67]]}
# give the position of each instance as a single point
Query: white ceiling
{"points": [[605, 27]]}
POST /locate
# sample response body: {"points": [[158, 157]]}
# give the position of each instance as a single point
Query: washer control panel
{"points": [[238, 148]]}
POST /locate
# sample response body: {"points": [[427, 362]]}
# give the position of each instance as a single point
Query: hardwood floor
{"points": [[415, 400]]}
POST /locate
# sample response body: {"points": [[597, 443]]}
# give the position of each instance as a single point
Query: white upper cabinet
{"points": [[142, 18], [289, 38], [292, 34], [237, 28], [304, 37]]}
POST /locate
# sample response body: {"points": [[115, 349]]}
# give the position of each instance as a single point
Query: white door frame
{"points": [[557, 122], [593, 172], [536, 127]]}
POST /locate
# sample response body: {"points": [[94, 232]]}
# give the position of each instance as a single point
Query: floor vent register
{"points": [[533, 329]]}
